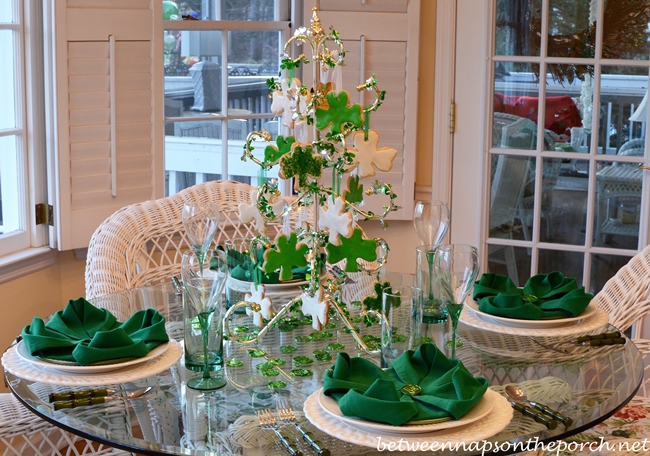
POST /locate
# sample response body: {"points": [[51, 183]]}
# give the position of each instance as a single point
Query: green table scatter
{"points": [[301, 373], [288, 348], [234, 363], [270, 372], [264, 366], [277, 384], [302, 360], [303, 339], [278, 361], [336, 346], [256, 353], [241, 329], [322, 355]]}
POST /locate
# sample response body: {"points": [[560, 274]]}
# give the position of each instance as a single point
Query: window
{"points": [[21, 128], [207, 121]]}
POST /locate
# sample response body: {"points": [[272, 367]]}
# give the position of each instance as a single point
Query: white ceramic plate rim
{"points": [[23, 352], [26, 370], [597, 320], [481, 409], [529, 324], [495, 422]]}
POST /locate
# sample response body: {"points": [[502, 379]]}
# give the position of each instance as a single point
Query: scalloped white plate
{"points": [[597, 320], [496, 421], [22, 368], [529, 324], [23, 352], [482, 408]]}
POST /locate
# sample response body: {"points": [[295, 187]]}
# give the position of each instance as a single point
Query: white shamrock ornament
{"points": [[335, 219], [266, 305], [284, 101], [366, 154], [248, 212], [317, 307]]}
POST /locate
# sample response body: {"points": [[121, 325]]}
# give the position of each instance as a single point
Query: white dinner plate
{"points": [[529, 324], [482, 408], [23, 352], [496, 421], [22, 368]]}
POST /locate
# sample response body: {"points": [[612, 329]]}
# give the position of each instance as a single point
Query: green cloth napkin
{"points": [[364, 390], [544, 296], [86, 334]]}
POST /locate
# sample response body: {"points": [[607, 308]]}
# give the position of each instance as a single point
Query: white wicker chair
{"points": [[626, 299]]}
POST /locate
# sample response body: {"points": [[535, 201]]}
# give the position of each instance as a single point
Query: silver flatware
{"points": [[286, 414], [517, 394], [96, 400], [268, 422]]}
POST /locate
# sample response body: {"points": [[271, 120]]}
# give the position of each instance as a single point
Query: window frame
{"points": [[29, 131]]}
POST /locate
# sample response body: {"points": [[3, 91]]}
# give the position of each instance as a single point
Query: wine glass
{"points": [[202, 289], [431, 220], [200, 221], [456, 268]]}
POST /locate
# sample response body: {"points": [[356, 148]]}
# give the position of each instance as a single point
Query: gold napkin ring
{"points": [[530, 298], [411, 389]]}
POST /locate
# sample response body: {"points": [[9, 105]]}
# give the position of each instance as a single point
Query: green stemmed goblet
{"points": [[456, 268]]}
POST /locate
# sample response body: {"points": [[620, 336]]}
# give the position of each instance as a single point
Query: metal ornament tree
{"points": [[342, 142]]}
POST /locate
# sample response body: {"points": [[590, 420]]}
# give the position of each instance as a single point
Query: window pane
{"points": [[7, 96], [509, 176], [618, 203], [227, 10], [9, 185], [622, 109], [603, 267], [570, 263], [511, 261], [625, 30], [6, 11], [248, 10], [515, 28], [516, 92], [571, 28]]}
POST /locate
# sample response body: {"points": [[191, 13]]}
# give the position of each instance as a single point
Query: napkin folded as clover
{"points": [[364, 390], [544, 296], [86, 334]]}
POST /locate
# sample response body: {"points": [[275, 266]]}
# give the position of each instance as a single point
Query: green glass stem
{"points": [[430, 256], [205, 319], [200, 255], [454, 312]]}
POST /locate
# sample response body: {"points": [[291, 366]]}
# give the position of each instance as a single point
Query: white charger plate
{"points": [[597, 320], [23, 352], [529, 324], [481, 409], [22, 368], [486, 427]]}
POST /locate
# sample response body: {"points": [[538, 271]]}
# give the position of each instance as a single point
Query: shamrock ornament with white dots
{"points": [[366, 154], [249, 212], [335, 219], [316, 306], [265, 305]]}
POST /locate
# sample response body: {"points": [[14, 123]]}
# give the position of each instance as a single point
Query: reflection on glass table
{"points": [[290, 361]]}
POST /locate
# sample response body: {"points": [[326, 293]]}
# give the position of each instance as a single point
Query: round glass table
{"points": [[588, 384]]}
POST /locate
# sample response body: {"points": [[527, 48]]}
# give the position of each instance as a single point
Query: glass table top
{"points": [[588, 384]]}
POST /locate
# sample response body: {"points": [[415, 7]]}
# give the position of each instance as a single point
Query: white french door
{"points": [[550, 130]]}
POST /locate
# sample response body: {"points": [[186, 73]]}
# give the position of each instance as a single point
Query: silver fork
{"points": [[287, 416], [268, 422]]}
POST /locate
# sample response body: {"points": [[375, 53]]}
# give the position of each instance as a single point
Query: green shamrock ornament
{"points": [[338, 113], [288, 255], [272, 153], [354, 193], [301, 162], [373, 302], [352, 248]]}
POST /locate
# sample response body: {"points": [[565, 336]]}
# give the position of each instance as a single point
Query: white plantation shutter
{"points": [[381, 37], [91, 183]]}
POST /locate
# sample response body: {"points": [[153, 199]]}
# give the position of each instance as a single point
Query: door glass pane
{"points": [[618, 205], [622, 107], [515, 104], [7, 69], [515, 27], [228, 10], [511, 261], [509, 176], [248, 10], [568, 106], [571, 29], [9, 181], [625, 30], [571, 264], [6, 11], [603, 267]]}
